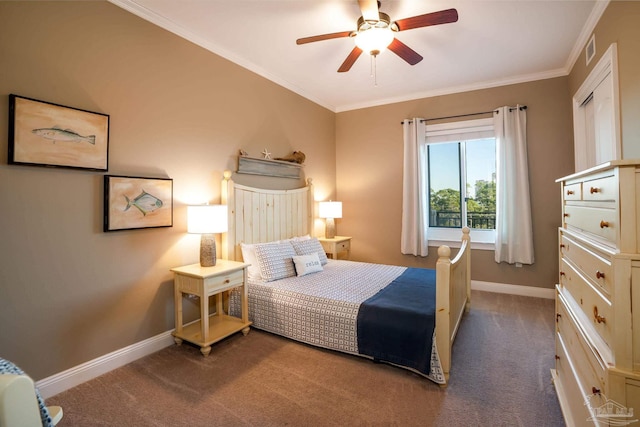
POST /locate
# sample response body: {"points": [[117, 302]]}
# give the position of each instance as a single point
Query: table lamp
{"points": [[207, 220], [330, 210]]}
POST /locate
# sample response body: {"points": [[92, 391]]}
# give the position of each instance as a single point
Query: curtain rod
{"points": [[522, 107]]}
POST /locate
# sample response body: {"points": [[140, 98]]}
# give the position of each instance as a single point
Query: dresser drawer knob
{"points": [[597, 317], [566, 215], [604, 224], [599, 274], [558, 317], [569, 192], [227, 281], [562, 245], [595, 390], [594, 190], [562, 273]]}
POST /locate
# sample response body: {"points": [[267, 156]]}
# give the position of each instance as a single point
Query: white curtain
{"points": [[415, 214], [514, 237]]}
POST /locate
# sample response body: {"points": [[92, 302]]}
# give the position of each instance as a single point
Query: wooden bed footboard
{"points": [[453, 296]]}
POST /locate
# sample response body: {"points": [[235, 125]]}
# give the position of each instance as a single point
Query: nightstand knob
{"points": [[599, 275], [594, 190], [569, 192], [604, 224]]}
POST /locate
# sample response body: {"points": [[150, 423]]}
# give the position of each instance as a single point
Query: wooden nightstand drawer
{"points": [[343, 246], [221, 283]]}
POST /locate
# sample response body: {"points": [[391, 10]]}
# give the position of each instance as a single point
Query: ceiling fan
{"points": [[375, 32]]}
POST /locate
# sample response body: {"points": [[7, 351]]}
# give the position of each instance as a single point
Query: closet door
{"points": [[603, 121], [596, 115]]}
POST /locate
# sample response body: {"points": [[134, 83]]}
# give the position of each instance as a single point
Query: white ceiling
{"points": [[494, 42]]}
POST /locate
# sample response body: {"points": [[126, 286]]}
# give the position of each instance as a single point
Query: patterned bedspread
{"points": [[322, 308]]}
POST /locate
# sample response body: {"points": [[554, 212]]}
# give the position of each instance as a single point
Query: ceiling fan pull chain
{"points": [[371, 59], [375, 71]]}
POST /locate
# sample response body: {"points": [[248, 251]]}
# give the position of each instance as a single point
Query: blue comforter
{"points": [[396, 325]]}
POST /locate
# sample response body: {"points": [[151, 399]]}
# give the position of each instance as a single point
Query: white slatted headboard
{"points": [[258, 215]]}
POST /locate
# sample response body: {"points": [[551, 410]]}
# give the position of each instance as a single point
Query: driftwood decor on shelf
{"points": [[268, 167]]}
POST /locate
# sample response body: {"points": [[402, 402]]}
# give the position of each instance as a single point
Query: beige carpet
{"points": [[500, 377]]}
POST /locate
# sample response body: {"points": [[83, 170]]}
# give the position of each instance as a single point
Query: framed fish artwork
{"points": [[134, 202], [46, 134]]}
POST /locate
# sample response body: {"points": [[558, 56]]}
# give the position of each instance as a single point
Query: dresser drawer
{"points": [[601, 189], [228, 281], [590, 299], [602, 222], [570, 394], [590, 262], [587, 366], [573, 191]]}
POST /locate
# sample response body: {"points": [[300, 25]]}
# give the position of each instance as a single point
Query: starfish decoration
{"points": [[266, 154]]}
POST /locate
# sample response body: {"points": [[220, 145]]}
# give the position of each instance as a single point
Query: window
{"points": [[461, 175]]}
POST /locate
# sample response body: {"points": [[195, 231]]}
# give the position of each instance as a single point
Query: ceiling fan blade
{"points": [[351, 59], [369, 9], [323, 37], [404, 52], [435, 18]]}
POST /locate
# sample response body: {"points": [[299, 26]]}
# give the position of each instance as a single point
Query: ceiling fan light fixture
{"points": [[374, 40]]}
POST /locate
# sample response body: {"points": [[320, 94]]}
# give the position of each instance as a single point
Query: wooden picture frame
{"points": [[135, 202], [46, 134]]}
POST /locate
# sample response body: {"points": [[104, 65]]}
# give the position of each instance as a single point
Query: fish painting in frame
{"points": [[47, 134], [137, 202]]}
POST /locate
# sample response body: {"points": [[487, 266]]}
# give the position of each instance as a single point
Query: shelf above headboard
{"points": [[268, 167]]}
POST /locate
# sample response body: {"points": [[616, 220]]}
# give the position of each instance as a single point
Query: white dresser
{"points": [[597, 374]]}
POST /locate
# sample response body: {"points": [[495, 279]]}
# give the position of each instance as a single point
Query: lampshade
{"points": [[330, 209], [374, 40], [207, 219]]}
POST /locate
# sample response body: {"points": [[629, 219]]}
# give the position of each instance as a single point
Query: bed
{"points": [[403, 316]]}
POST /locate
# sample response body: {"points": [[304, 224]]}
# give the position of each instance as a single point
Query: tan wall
{"points": [[69, 292], [369, 175], [620, 23]]}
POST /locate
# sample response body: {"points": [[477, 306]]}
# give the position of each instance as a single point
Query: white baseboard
{"points": [[62, 381], [504, 288]]}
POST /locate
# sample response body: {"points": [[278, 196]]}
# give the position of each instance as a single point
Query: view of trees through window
{"points": [[472, 162]]}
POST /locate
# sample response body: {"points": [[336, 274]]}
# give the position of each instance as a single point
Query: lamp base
{"points": [[330, 230], [207, 250]]}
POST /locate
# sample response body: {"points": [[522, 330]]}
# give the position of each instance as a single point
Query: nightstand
{"points": [[335, 246], [205, 282]]}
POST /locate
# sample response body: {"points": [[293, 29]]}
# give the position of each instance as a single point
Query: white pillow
{"points": [[275, 260], [310, 246], [249, 256], [306, 264]]}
